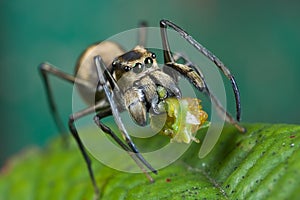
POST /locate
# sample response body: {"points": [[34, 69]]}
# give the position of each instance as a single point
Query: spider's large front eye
{"points": [[148, 62], [138, 68]]}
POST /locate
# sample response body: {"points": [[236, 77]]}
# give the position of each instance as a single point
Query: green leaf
{"points": [[263, 163]]}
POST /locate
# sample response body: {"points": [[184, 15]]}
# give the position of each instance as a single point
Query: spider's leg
{"points": [[108, 131], [168, 57], [102, 71], [46, 69], [72, 119], [178, 56], [142, 37], [197, 79]]}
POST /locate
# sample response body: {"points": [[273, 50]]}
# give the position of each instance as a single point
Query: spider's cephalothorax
{"points": [[111, 80], [138, 76]]}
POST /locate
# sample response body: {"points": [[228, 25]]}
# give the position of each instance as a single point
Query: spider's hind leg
{"points": [[45, 70], [72, 119]]}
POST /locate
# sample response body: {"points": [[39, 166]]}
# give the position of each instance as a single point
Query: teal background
{"points": [[258, 40]]}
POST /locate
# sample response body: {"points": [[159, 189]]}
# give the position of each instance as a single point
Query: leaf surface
{"points": [[263, 163]]}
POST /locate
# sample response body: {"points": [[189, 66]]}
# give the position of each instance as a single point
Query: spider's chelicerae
{"points": [[129, 81]]}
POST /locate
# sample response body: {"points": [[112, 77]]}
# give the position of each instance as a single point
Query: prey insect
{"points": [[132, 81]]}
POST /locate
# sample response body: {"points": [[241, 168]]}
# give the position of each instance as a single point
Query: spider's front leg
{"points": [[197, 79], [164, 24], [104, 77], [195, 76]]}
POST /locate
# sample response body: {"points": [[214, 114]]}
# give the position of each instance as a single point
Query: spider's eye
{"points": [[138, 68], [153, 55], [114, 64], [127, 68], [148, 62]]}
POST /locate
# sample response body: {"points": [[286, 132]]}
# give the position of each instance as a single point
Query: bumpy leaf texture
{"points": [[263, 163]]}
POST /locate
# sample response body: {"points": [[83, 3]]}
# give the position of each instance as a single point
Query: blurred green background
{"points": [[258, 40]]}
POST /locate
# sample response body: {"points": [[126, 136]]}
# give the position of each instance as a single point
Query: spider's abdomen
{"points": [[86, 70]]}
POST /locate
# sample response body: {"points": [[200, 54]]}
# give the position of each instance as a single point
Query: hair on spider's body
{"points": [[137, 75], [138, 79], [111, 80]]}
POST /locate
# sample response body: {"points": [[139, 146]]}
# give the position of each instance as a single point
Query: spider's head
{"points": [[136, 62]]}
